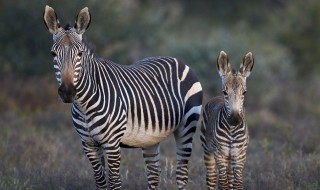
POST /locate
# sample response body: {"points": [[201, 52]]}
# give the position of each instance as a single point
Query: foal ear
{"points": [[83, 20], [223, 64], [51, 20], [247, 65]]}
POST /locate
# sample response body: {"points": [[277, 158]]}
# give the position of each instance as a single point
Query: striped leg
{"points": [[237, 183], [237, 162], [151, 157], [211, 170], [230, 176], [222, 164], [238, 165], [183, 137], [113, 156], [95, 156], [209, 161]]}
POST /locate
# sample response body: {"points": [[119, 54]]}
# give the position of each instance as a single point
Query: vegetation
{"points": [[39, 148]]}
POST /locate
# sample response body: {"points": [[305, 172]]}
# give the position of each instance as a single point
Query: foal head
{"points": [[234, 85]]}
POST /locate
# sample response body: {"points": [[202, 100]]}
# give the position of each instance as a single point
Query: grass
{"points": [[49, 156], [39, 149], [39, 152]]}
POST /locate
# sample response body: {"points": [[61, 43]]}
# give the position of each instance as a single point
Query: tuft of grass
{"points": [[13, 183]]}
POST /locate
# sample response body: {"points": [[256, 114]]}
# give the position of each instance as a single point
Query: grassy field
{"points": [[39, 149]]}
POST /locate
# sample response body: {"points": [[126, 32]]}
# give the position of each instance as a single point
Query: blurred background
{"points": [[39, 149]]}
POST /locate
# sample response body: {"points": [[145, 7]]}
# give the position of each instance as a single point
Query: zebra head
{"points": [[67, 50], [234, 85]]}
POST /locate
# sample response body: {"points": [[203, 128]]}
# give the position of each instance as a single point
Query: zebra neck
{"points": [[95, 86], [224, 117]]}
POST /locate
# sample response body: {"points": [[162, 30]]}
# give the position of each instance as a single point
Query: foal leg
{"points": [[222, 165], [230, 175], [237, 165], [211, 176]]}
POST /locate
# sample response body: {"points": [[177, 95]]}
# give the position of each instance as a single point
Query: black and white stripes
{"points": [[224, 131], [117, 106]]}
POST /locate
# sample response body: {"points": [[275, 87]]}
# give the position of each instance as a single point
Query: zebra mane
{"points": [[233, 71], [67, 26], [90, 46]]}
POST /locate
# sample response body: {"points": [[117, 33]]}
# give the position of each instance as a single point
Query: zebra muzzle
{"points": [[235, 119], [67, 93]]}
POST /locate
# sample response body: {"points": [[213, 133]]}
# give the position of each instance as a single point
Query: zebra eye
{"points": [[79, 53], [53, 54], [225, 92]]}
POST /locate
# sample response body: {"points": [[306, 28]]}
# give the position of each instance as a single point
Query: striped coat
{"points": [[116, 106], [224, 131]]}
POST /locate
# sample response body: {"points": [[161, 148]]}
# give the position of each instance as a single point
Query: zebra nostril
{"points": [[72, 90], [68, 90], [67, 93], [60, 90]]}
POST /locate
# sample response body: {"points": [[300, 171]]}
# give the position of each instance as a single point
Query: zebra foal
{"points": [[115, 106], [224, 131]]}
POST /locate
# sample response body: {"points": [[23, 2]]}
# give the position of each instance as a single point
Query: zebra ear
{"points": [[247, 65], [51, 20], [83, 20], [223, 64]]}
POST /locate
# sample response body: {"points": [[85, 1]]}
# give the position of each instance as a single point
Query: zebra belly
{"points": [[142, 137]]}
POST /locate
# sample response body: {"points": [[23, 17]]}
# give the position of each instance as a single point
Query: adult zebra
{"points": [[117, 106], [224, 131]]}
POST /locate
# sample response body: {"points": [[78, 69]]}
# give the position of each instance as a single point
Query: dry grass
{"points": [[39, 152], [39, 149]]}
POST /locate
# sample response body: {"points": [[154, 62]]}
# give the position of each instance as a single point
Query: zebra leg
{"points": [[237, 183], [95, 156], [222, 164], [237, 167], [211, 176], [183, 136], [113, 156], [237, 161], [230, 176], [151, 157], [209, 160]]}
